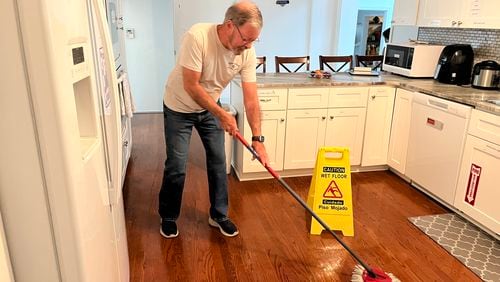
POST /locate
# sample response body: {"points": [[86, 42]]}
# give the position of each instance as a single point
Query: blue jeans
{"points": [[178, 128]]}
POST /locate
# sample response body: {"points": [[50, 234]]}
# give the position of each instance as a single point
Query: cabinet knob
{"points": [[323, 118], [459, 22], [331, 117], [453, 23], [373, 97], [282, 119]]}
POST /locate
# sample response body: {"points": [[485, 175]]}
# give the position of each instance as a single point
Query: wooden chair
{"points": [[261, 61], [324, 60], [280, 61], [375, 62]]}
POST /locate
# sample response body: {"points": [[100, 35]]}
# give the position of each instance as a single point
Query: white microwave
{"points": [[411, 59]]}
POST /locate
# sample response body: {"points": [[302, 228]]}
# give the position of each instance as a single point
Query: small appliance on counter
{"points": [[411, 59], [455, 64], [485, 75]]}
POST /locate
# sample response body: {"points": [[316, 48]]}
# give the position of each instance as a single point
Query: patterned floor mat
{"points": [[474, 248]]}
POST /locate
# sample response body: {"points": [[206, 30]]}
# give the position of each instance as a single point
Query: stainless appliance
{"points": [[455, 64], [485, 75], [411, 59]]}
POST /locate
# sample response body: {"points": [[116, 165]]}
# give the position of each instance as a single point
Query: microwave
{"points": [[412, 59]]}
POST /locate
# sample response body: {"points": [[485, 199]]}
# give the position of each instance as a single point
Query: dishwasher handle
{"points": [[438, 104], [443, 105]]}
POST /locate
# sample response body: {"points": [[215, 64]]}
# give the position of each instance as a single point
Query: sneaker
{"points": [[169, 229], [226, 227]]}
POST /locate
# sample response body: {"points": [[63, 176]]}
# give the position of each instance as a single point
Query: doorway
{"points": [[369, 27]]}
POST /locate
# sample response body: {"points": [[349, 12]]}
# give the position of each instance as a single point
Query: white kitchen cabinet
{"points": [[405, 12], [308, 98], [273, 103], [439, 13], [273, 128], [481, 14], [477, 189], [345, 128], [305, 133], [378, 126], [459, 13], [400, 130], [126, 144], [314, 126]]}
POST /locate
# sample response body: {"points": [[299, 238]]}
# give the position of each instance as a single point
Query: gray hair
{"points": [[244, 12]]}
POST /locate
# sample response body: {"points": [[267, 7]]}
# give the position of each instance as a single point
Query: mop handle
{"points": [[297, 197]]}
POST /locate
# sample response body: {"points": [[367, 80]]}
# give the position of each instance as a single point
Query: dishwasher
{"points": [[437, 137]]}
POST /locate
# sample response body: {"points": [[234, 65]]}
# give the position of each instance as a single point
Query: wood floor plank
{"points": [[274, 242]]}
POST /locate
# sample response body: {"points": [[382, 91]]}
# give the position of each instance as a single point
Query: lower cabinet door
{"points": [[478, 189], [345, 128], [273, 129], [305, 133], [400, 130], [378, 126]]}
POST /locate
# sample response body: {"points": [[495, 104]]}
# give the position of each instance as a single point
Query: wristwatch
{"points": [[259, 138]]}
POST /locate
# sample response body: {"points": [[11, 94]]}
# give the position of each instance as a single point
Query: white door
{"points": [[477, 189], [305, 133], [273, 129], [344, 128], [378, 126], [400, 130]]}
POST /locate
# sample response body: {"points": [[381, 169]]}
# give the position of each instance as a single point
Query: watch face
{"points": [[258, 138]]}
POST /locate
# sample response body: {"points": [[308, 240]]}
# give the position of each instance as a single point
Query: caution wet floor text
{"points": [[330, 194]]}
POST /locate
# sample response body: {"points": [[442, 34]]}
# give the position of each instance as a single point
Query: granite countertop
{"points": [[476, 98]]}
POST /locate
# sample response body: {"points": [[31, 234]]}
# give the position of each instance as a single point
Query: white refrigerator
{"points": [[60, 144]]}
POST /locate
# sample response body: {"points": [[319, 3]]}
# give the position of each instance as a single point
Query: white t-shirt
{"points": [[202, 51]]}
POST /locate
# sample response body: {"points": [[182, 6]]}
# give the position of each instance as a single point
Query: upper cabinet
{"points": [[481, 14], [439, 13], [405, 12], [459, 13]]}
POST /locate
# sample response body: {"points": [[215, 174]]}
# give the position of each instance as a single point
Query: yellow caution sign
{"points": [[330, 194]]}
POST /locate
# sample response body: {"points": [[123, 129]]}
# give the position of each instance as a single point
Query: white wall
{"points": [[303, 27], [348, 21], [150, 55]]}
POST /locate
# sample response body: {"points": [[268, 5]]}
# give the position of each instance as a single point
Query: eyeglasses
{"points": [[246, 41]]}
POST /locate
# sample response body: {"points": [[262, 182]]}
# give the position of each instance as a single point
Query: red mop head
{"points": [[360, 274]]}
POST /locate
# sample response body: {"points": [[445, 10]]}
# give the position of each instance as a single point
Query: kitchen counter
{"points": [[476, 98]]}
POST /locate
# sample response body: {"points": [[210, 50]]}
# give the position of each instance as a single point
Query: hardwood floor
{"points": [[274, 242]]}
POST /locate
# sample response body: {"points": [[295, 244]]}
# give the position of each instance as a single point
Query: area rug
{"points": [[475, 249]]}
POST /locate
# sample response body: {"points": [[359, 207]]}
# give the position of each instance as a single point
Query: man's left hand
{"points": [[261, 151]]}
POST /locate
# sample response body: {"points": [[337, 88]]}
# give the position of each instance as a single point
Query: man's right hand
{"points": [[228, 123]]}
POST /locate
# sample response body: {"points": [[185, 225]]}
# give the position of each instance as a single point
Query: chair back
{"points": [[281, 61], [261, 61], [324, 60], [375, 62]]}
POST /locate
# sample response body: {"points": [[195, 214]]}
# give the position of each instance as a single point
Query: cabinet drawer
{"points": [[308, 98], [272, 98], [347, 97], [485, 126]]}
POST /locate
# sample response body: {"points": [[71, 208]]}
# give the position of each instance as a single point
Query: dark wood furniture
{"points": [[261, 61], [375, 61], [302, 61], [324, 60]]}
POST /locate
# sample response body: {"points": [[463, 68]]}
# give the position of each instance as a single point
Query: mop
{"points": [[362, 272]]}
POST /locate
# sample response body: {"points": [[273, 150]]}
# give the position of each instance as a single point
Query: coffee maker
{"points": [[455, 64]]}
